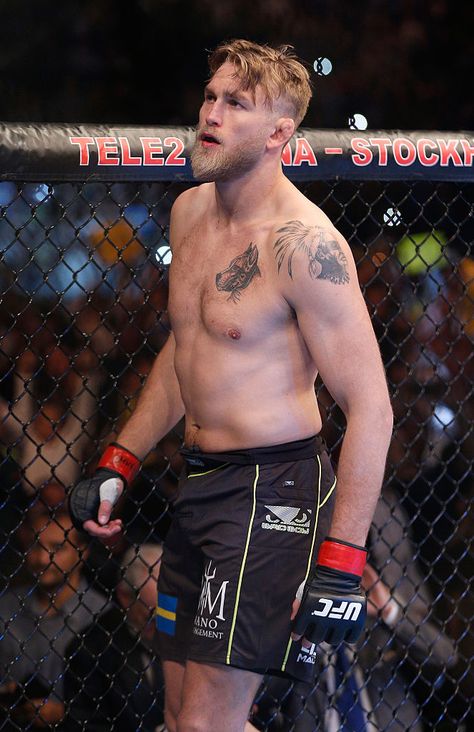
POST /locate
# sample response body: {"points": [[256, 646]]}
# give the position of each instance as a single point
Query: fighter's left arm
{"points": [[318, 277]]}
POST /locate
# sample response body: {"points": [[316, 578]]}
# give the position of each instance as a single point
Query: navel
{"points": [[233, 333]]}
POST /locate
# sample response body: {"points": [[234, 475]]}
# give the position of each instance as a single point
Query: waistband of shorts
{"points": [[287, 452]]}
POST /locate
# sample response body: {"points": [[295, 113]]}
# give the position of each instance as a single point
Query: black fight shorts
{"points": [[246, 528]]}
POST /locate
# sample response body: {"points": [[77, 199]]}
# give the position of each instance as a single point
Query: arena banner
{"points": [[61, 152]]}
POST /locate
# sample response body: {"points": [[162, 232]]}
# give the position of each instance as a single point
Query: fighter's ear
{"points": [[284, 130]]}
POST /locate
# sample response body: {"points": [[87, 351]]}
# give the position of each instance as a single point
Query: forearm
{"points": [[158, 409], [360, 473], [159, 406]]}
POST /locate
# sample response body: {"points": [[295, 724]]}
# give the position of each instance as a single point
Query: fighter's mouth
{"points": [[209, 139]]}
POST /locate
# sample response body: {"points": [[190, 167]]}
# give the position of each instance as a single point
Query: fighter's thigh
{"points": [[179, 586], [215, 696]]}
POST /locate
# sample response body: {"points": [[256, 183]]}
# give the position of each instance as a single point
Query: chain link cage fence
{"points": [[84, 253]]}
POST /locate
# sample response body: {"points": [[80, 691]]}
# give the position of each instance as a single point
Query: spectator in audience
{"points": [[39, 619], [425, 456], [49, 438], [113, 677]]}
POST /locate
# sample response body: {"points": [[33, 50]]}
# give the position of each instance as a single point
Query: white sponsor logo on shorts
{"points": [[211, 605], [307, 655], [287, 518]]}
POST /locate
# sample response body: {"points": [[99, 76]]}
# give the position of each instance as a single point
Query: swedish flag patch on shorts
{"points": [[166, 613]]}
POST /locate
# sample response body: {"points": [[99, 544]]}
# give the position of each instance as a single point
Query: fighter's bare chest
{"points": [[225, 287]]}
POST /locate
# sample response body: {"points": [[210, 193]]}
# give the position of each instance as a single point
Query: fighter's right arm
{"points": [[159, 406], [158, 409]]}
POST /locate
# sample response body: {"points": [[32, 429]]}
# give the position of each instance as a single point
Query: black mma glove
{"points": [[116, 469], [333, 606]]}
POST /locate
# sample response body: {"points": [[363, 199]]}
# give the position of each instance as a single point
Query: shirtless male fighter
{"points": [[263, 295]]}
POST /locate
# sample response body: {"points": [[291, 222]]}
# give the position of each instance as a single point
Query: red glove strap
{"points": [[342, 556], [121, 460]]}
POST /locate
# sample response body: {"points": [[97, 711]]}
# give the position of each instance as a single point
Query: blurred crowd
{"points": [[74, 354], [404, 64]]}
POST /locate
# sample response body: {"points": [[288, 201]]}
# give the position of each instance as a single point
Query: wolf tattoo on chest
{"points": [[239, 274]]}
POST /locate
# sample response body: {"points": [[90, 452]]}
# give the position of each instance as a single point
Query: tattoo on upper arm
{"points": [[239, 273], [327, 261]]}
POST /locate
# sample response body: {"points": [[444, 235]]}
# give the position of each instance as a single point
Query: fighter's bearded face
{"points": [[232, 131]]}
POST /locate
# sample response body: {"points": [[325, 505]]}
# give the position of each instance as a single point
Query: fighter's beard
{"points": [[218, 164]]}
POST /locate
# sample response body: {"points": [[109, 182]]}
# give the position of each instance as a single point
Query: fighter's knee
{"points": [[186, 723], [171, 722]]}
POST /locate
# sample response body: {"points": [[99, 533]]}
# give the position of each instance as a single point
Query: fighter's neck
{"points": [[247, 197]]}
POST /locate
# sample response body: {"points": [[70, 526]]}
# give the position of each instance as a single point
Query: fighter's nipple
{"points": [[233, 333]]}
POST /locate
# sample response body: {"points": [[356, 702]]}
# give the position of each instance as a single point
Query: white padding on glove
{"points": [[299, 591], [110, 490], [391, 613]]}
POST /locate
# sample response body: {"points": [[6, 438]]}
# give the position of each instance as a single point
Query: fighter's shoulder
{"points": [[190, 201], [307, 249], [299, 225], [187, 209]]}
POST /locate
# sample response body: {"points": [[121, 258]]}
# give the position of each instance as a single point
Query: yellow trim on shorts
{"points": [[212, 470], [165, 613], [242, 566], [328, 495], [318, 505]]}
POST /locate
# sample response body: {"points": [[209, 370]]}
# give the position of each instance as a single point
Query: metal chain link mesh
{"points": [[83, 281]]}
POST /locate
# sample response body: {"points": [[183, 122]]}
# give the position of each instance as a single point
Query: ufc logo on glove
{"points": [[345, 611], [333, 606]]}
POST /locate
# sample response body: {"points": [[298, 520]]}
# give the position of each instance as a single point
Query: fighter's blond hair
{"points": [[278, 71]]}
